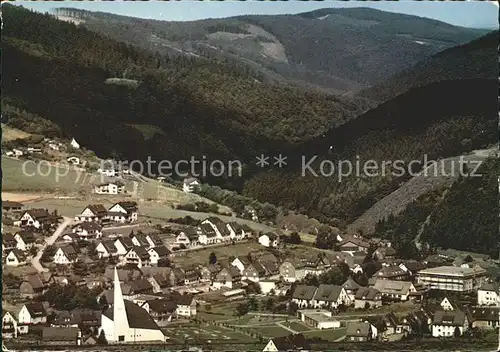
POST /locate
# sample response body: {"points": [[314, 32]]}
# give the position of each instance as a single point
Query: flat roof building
{"points": [[451, 278]]}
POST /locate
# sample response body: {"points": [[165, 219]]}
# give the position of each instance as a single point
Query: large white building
{"points": [[451, 278], [126, 322]]}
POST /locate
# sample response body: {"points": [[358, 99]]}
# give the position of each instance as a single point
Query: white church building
{"points": [[126, 322]]}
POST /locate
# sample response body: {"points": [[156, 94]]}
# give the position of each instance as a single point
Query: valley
{"points": [[124, 221]]}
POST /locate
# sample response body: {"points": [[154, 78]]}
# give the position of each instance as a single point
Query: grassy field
{"points": [[20, 175], [329, 335], [10, 133], [182, 334], [201, 256], [298, 326]]}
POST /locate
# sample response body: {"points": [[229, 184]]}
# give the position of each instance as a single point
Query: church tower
{"points": [[120, 320]]}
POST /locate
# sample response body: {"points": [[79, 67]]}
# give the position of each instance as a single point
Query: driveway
{"points": [[35, 262]]}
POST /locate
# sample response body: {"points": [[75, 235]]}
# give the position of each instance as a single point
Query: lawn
{"points": [[270, 331], [205, 333], [10, 133], [329, 335], [201, 256], [298, 326], [26, 175]]}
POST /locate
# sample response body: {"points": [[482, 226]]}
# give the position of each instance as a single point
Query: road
{"points": [[35, 262]]}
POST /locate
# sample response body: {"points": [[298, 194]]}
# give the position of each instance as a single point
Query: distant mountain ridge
{"points": [[325, 49], [476, 59]]}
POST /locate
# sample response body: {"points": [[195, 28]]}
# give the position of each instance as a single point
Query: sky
{"points": [[478, 14]]}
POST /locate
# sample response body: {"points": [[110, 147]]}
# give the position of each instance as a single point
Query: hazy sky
{"points": [[468, 14]]}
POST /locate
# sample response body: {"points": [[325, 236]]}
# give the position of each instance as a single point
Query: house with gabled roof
{"points": [[447, 323], [254, 272], [112, 188], [222, 232], [269, 240], [140, 240], [65, 255], [154, 240], [303, 295], [123, 245], [358, 332], [330, 296], [126, 211], [395, 290], [208, 273], [32, 313], [138, 256], [93, 212], [485, 317], [15, 258], [292, 269], [189, 237], [37, 218], [8, 242], [241, 263], [106, 249], [35, 284], [25, 240], [227, 277], [157, 254], [161, 310], [354, 244], [208, 235], [294, 342], [190, 184], [88, 230], [367, 297], [488, 294], [351, 287], [8, 206], [392, 272], [236, 231]]}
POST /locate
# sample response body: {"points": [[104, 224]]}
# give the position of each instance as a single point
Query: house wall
{"points": [[445, 331], [487, 298]]}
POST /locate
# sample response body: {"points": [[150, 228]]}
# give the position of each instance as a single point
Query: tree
{"points": [[212, 258], [269, 304], [292, 308], [457, 332], [311, 280], [253, 305], [101, 339], [334, 276], [325, 239], [295, 238], [253, 288], [33, 251], [48, 253], [242, 309]]}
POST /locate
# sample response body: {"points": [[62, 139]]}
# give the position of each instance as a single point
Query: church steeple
{"points": [[119, 313]]}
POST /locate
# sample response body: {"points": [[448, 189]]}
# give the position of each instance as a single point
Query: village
{"points": [[108, 275]]}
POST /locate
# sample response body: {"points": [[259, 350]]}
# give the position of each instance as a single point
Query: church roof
{"points": [[138, 318]]}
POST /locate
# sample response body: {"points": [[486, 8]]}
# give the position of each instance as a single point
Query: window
{"points": [[121, 338]]}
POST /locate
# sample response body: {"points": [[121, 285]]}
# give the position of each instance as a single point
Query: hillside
{"points": [[176, 107], [202, 107], [464, 217], [477, 59], [297, 49], [434, 177], [423, 121]]}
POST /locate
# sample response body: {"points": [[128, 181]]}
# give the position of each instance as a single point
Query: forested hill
{"points": [[196, 106], [477, 59], [325, 48]]}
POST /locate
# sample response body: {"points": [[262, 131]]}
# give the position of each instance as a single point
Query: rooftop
{"points": [[452, 271]]}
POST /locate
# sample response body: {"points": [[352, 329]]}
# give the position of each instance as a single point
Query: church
{"points": [[126, 322]]}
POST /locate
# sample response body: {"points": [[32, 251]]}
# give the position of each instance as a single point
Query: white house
{"points": [[186, 306], [241, 263], [188, 237], [34, 218], [112, 188], [34, 150], [488, 294], [124, 212], [88, 230], [106, 249], [158, 253], [25, 240], [127, 322], [93, 212], [15, 258], [330, 296], [74, 144], [448, 323], [65, 255], [10, 327], [123, 245], [222, 232], [269, 240], [32, 313], [138, 256], [190, 184]]}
